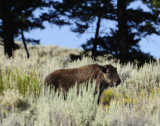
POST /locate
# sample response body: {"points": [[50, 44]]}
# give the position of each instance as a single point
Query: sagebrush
{"points": [[25, 101]]}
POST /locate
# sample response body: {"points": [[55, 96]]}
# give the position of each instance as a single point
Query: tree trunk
{"points": [[8, 35], [8, 43], [24, 42], [95, 42], [123, 31]]}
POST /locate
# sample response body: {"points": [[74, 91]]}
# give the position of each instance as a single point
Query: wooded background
{"points": [[17, 17]]}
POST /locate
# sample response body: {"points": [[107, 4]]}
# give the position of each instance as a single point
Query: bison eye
{"points": [[108, 71]]}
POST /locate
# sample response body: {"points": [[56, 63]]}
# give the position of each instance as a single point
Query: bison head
{"points": [[110, 75]]}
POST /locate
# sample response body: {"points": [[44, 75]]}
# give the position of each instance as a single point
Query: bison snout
{"points": [[118, 82]]}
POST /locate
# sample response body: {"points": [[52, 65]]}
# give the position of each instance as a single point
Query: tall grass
{"points": [[25, 102]]}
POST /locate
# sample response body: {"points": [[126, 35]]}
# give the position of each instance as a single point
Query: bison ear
{"points": [[103, 69]]}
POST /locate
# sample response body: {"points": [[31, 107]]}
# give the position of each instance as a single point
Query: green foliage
{"points": [[153, 3], [22, 80]]}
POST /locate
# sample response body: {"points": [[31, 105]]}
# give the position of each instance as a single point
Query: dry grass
{"points": [[24, 102]]}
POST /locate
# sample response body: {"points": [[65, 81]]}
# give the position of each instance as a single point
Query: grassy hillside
{"points": [[24, 102]]}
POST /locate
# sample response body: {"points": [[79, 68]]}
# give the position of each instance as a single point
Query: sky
{"points": [[63, 37]]}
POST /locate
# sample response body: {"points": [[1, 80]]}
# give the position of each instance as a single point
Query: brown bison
{"points": [[63, 79]]}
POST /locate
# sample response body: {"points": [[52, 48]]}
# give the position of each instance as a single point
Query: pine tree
{"points": [[122, 42], [83, 14], [16, 18]]}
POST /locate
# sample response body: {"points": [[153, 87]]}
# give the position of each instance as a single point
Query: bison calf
{"points": [[63, 79]]}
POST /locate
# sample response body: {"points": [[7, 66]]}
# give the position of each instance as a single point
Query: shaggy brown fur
{"points": [[63, 79]]}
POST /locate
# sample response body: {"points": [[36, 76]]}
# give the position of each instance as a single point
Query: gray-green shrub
{"points": [[25, 102]]}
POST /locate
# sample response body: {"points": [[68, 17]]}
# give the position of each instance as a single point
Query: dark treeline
{"points": [[17, 17]]}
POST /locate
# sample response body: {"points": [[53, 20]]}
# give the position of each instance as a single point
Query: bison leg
{"points": [[77, 89], [99, 96], [102, 87], [65, 93], [59, 90], [98, 81], [96, 88]]}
